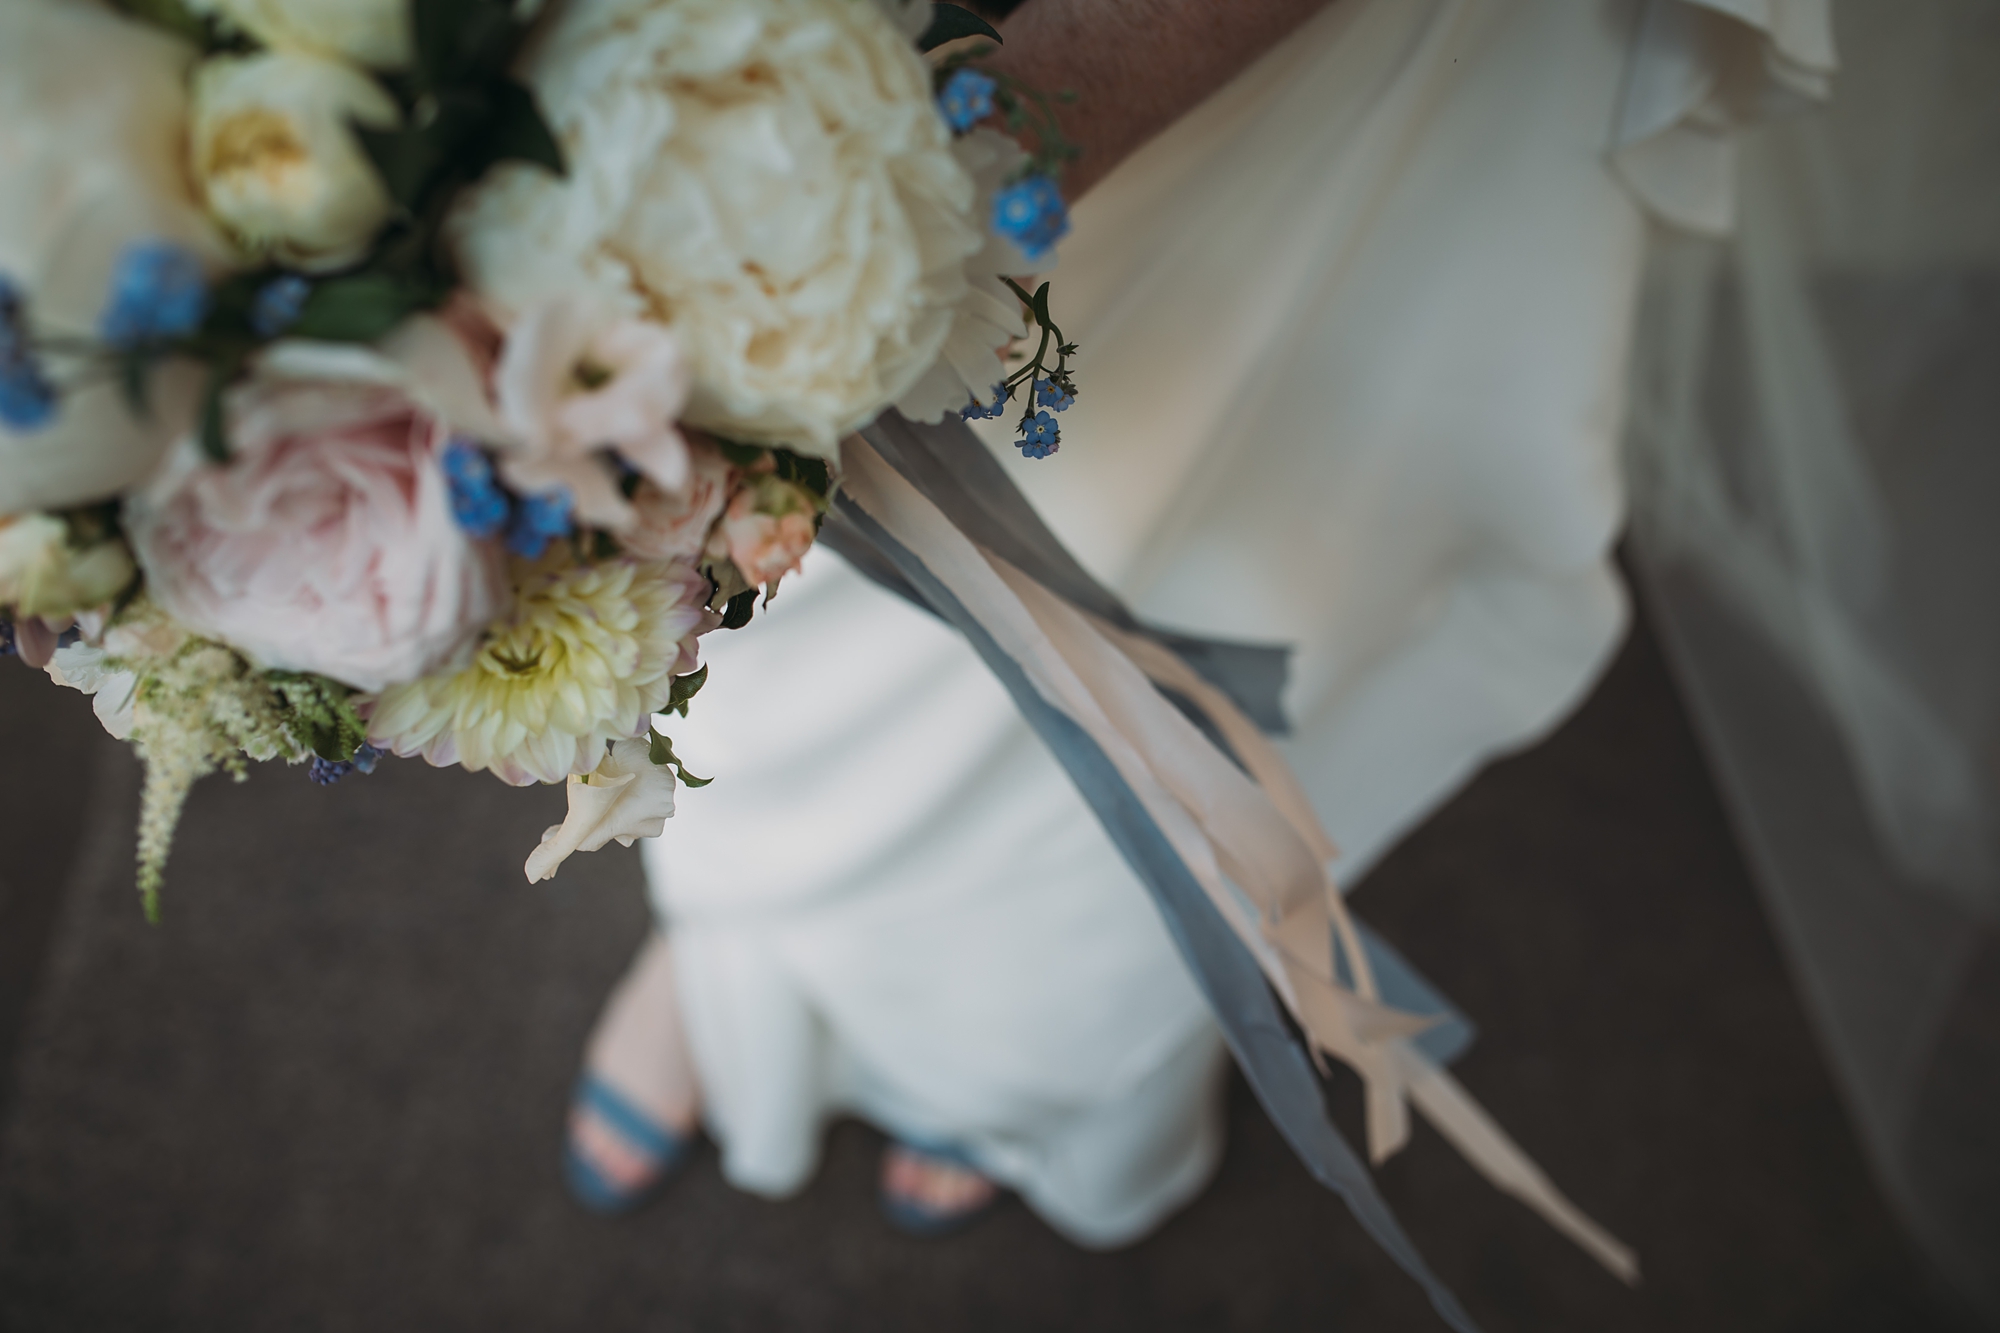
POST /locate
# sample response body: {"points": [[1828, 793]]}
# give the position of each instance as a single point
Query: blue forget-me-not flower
{"points": [[966, 98], [1052, 395], [326, 772], [158, 290], [477, 501], [1039, 436], [539, 520], [976, 411], [278, 304], [1031, 214], [27, 398]]}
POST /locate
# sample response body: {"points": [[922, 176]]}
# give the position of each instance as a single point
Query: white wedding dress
{"points": [[1353, 341]]}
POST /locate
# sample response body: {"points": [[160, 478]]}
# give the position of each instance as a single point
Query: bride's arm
{"points": [[1136, 65]]}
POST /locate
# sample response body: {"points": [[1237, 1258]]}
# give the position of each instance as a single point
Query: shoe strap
{"points": [[633, 1125]]}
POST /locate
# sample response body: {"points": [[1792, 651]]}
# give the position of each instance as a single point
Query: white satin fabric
{"points": [[1353, 342]]}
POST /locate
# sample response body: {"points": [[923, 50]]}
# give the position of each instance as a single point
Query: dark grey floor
{"points": [[326, 1093]]}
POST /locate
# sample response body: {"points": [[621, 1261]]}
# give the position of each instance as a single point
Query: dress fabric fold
{"points": [[1354, 335]]}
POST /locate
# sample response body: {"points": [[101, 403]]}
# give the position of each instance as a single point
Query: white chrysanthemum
{"points": [[770, 177], [587, 656], [369, 32]]}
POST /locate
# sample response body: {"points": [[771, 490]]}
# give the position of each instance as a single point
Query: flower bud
{"points": [[767, 529]]}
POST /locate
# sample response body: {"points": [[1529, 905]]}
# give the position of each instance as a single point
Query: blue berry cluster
{"points": [[27, 398], [484, 509], [966, 98], [158, 291], [326, 772], [1031, 214]]}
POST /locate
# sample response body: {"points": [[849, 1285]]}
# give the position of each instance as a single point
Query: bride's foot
{"points": [[636, 1105], [933, 1190]]}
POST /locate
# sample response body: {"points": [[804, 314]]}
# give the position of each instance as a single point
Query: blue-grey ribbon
{"points": [[953, 470]]}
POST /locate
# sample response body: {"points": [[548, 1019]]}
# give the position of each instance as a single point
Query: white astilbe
{"points": [[199, 707]]}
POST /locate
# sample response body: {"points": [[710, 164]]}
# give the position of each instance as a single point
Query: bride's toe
{"points": [[933, 1190]]}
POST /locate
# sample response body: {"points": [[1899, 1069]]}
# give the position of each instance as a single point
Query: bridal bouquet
{"points": [[426, 377]]}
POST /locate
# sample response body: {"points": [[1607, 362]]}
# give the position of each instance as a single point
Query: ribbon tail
{"points": [[1448, 1106]]}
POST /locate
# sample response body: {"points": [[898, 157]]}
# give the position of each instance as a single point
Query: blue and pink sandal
{"points": [[617, 1156]]}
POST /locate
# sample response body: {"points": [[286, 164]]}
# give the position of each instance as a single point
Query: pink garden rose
{"points": [[676, 524], [327, 543], [767, 529]]}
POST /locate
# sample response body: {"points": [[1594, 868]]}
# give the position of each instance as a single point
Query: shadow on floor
{"points": [[326, 1093]]}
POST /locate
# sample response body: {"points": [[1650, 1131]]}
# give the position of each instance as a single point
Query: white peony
{"points": [[93, 133], [271, 145], [769, 177], [369, 32], [989, 315]]}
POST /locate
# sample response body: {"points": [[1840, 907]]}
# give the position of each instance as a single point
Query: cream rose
{"points": [[368, 32], [278, 163], [93, 126], [769, 177], [327, 544]]}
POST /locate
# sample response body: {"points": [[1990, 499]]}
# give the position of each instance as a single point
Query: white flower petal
{"points": [[627, 796]]}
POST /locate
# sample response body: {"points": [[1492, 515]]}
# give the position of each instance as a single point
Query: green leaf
{"points": [[360, 308], [459, 40], [661, 752], [517, 132], [214, 423], [685, 688], [811, 473], [134, 368], [737, 612], [951, 22], [741, 455], [408, 160], [1042, 306], [320, 712]]}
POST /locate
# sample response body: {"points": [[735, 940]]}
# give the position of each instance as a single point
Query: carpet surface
{"points": [[326, 1093]]}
